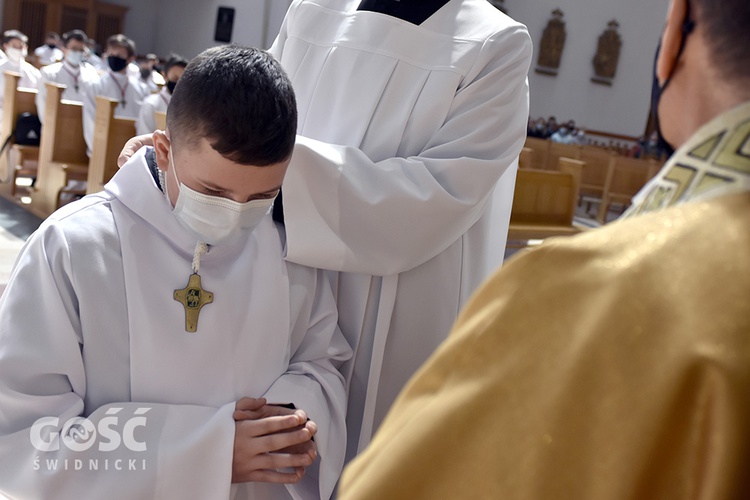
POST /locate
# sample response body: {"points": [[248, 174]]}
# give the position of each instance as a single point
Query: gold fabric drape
{"points": [[611, 365]]}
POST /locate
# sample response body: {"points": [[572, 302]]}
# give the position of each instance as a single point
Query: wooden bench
{"points": [[598, 163], [160, 117], [544, 203], [539, 148], [626, 176], [23, 159], [62, 154], [526, 157], [110, 136], [557, 151]]}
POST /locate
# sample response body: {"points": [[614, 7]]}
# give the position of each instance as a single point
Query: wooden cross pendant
{"points": [[193, 297]]}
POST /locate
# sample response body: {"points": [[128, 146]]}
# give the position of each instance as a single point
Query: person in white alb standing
{"points": [[412, 116], [173, 70], [115, 84], [72, 72]]}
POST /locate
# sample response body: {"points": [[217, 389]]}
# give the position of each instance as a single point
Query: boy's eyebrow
{"points": [[271, 191], [214, 187]]}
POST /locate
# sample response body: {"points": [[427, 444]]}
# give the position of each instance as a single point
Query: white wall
{"points": [[622, 108], [187, 26], [140, 23]]}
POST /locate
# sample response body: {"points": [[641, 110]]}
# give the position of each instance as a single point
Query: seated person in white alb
{"points": [[149, 73], [161, 314], [91, 57], [15, 46], [50, 52], [173, 70], [116, 84], [72, 72]]}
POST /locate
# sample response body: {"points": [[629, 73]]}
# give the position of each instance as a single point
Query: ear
{"points": [[671, 40], [161, 148]]}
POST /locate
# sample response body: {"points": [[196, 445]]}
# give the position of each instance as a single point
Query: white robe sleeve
{"points": [[313, 382], [170, 451], [345, 212], [145, 123]]}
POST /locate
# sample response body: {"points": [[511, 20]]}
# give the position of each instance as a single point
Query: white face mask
{"points": [[213, 219], [16, 55], [74, 57]]}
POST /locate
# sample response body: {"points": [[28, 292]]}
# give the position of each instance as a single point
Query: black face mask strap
{"points": [[687, 27]]}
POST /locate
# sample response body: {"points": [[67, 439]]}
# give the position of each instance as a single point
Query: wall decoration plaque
{"points": [[607, 54], [552, 45]]}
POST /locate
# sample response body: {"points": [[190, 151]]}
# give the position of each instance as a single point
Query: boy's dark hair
{"points": [[727, 26], [122, 41], [175, 60], [77, 35], [14, 35], [241, 101]]}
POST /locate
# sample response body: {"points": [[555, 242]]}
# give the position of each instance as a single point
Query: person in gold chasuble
{"points": [[614, 364], [153, 341]]}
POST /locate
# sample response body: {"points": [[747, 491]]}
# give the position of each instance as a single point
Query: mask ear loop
{"points": [[687, 27]]}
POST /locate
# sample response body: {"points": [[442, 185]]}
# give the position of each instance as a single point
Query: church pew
{"points": [[62, 152], [15, 102], [625, 178], [544, 204], [557, 151], [110, 136], [525, 158], [539, 147], [597, 164], [161, 120]]}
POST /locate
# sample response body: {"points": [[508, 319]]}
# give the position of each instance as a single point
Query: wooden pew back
{"points": [[544, 197], [15, 102], [626, 177], [110, 136], [557, 151], [540, 148], [160, 117], [62, 153]]}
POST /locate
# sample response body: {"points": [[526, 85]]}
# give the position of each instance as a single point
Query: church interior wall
{"points": [[622, 108], [187, 27]]}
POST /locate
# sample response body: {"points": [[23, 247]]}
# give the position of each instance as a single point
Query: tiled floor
{"points": [[16, 224]]}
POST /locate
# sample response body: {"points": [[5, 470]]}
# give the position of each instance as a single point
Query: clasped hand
{"points": [[268, 438]]}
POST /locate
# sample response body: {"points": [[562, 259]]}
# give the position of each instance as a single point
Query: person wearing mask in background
{"points": [[50, 52], [15, 46], [146, 123], [72, 72], [614, 364], [149, 73], [116, 84], [91, 56]]}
